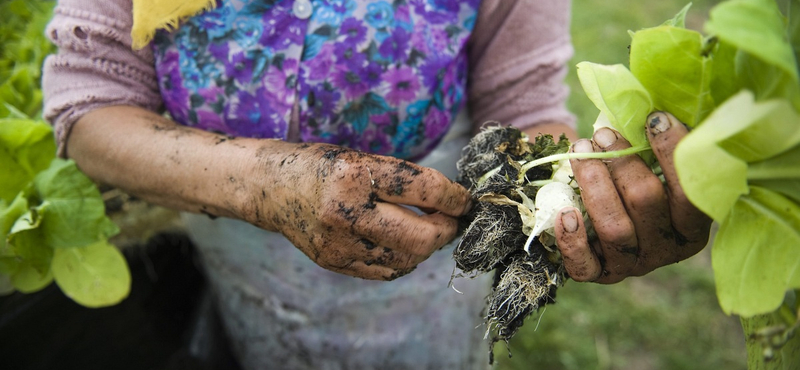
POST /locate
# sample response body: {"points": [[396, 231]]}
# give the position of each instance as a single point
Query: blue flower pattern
{"points": [[384, 76]]}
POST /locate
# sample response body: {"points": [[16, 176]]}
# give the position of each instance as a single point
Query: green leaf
{"points": [[9, 265], [793, 30], [724, 83], [26, 148], [789, 188], [5, 285], [757, 27], [679, 20], [9, 214], [670, 64], [737, 132], [769, 128], [96, 275], [779, 173], [756, 253], [619, 96], [21, 91], [765, 80], [28, 280], [72, 208], [29, 241]]}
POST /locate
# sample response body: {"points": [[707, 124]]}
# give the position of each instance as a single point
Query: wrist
{"points": [[268, 171]]}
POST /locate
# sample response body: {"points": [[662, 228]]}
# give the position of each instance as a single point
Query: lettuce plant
{"points": [[53, 225], [738, 89]]}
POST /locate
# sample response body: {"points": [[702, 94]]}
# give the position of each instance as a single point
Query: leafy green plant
{"points": [[53, 225], [53, 222], [22, 50], [739, 89]]}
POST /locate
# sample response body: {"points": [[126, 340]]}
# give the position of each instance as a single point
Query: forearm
{"points": [[168, 164]]}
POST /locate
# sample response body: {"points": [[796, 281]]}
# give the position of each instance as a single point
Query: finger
{"points": [[611, 222], [383, 256], [370, 272], [664, 132], [579, 259], [403, 230], [644, 198], [404, 182]]}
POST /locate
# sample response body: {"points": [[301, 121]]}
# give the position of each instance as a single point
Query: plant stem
{"points": [[594, 155]]}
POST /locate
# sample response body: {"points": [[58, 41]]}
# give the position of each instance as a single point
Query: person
{"points": [[299, 138]]}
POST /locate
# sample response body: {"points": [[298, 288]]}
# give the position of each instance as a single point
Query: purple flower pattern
{"points": [[382, 76]]}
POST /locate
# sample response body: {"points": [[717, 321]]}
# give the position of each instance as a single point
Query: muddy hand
{"points": [[641, 224], [344, 209]]}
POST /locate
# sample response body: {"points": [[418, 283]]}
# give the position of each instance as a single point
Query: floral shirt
{"points": [[380, 76]]}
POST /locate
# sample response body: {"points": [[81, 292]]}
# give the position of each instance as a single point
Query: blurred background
{"points": [[669, 319]]}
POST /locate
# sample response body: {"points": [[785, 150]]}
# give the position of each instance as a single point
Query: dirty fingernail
{"points": [[569, 220], [604, 137], [583, 146], [658, 122]]}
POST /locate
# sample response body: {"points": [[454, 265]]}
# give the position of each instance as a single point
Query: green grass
{"points": [[669, 319]]}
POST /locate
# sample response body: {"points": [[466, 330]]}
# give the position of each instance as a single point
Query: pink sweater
{"points": [[517, 63]]}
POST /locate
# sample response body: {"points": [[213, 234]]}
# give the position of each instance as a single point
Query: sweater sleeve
{"points": [[517, 55], [95, 66]]}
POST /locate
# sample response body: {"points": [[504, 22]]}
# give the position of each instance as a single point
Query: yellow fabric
{"points": [[152, 15]]}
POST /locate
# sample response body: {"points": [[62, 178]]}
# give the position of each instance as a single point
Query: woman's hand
{"points": [[342, 208], [641, 224], [345, 209]]}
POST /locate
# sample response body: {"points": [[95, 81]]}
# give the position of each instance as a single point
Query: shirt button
{"points": [[302, 9]]}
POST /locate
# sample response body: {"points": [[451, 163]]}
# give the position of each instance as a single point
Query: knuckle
{"points": [[616, 231], [423, 243], [438, 185], [327, 212], [590, 172], [644, 193], [580, 271], [420, 247]]}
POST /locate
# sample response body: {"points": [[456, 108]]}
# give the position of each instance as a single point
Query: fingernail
{"points": [[658, 123], [604, 137], [569, 220], [583, 146]]}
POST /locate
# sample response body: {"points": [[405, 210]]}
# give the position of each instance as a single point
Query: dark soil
{"points": [[494, 239]]}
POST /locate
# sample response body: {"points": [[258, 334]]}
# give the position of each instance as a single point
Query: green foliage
{"points": [[741, 131], [678, 82], [754, 255], [675, 66], [621, 98], [55, 225], [26, 148], [95, 276], [669, 319], [739, 89], [765, 62], [52, 218], [758, 232], [22, 50], [72, 207]]}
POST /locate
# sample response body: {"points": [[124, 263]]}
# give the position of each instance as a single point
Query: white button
{"points": [[302, 9]]}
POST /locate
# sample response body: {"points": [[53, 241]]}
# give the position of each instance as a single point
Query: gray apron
{"points": [[282, 311]]}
